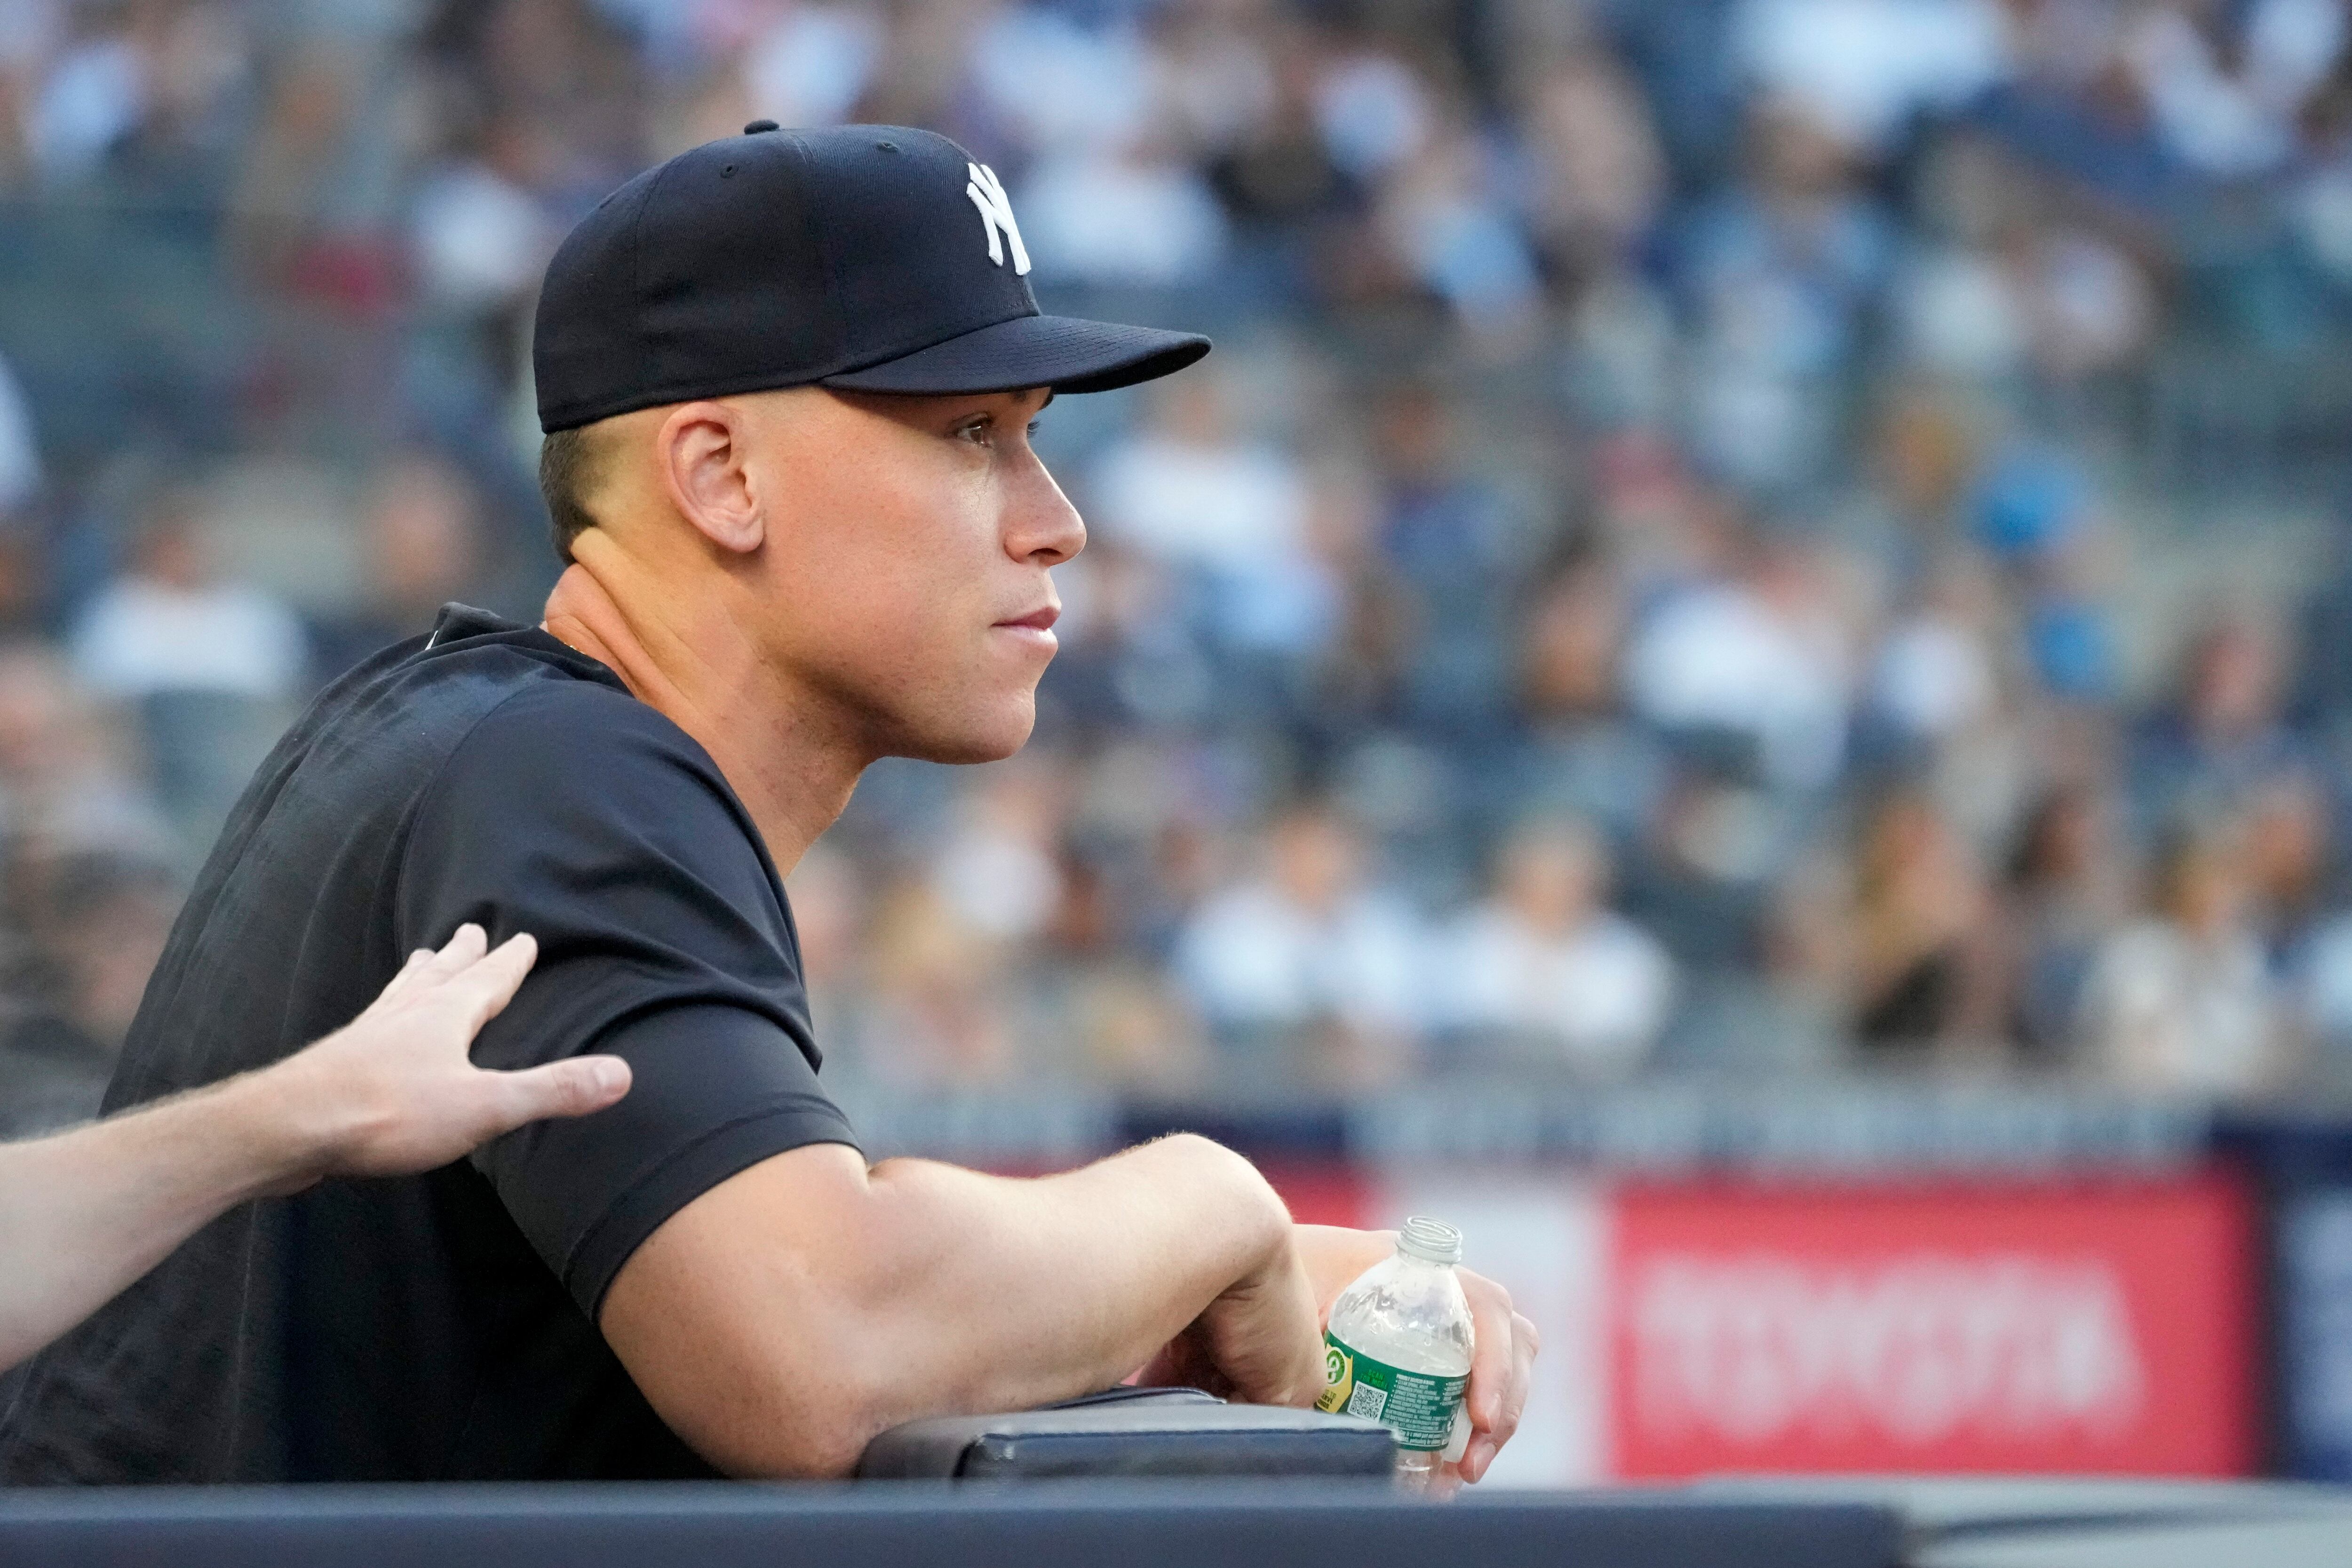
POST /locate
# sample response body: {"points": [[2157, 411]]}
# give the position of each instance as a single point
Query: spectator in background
{"points": [[1867, 70], [2226, 83], [1702, 877], [1445, 215], [1277, 174], [479, 231], [1361, 672], [1942, 701], [1307, 957], [2069, 887], [171, 622], [1131, 217], [2013, 282], [1226, 519], [2291, 870], [1106, 1011], [1189, 491], [87, 891], [1776, 275], [1541, 972], [939, 1013], [91, 926], [23, 575], [209, 667], [1129, 661], [419, 543], [2182, 1000], [2287, 853], [1580, 752], [1936, 677], [1934, 685], [1927, 934], [999, 871], [1445, 533], [794, 63], [1599, 178], [68, 778], [2224, 733], [1758, 653], [1659, 529]]}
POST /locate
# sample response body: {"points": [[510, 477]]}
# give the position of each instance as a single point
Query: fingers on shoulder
{"points": [[574, 1087], [405, 981], [481, 986], [465, 947]]}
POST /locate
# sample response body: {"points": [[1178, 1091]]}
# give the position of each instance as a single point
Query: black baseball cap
{"points": [[867, 257]]}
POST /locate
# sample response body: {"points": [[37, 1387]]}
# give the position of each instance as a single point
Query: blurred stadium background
{"points": [[1739, 674]]}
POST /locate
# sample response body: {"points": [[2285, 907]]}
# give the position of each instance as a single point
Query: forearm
{"points": [[1041, 1289], [86, 1211], [921, 1290]]}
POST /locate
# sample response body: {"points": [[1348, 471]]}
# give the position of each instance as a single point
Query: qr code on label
{"points": [[1368, 1401]]}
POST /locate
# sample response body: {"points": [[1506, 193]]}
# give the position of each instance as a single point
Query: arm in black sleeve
{"points": [[579, 814]]}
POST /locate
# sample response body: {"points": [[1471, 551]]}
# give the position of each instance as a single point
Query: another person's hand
{"points": [[1501, 1366], [87, 1211], [396, 1088]]}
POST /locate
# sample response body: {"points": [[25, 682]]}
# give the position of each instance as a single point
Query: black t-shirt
{"points": [[442, 1326]]}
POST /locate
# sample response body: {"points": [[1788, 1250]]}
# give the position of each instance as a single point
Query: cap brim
{"points": [[1060, 352]]}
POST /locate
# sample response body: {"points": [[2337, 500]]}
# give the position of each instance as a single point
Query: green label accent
{"points": [[1417, 1407]]}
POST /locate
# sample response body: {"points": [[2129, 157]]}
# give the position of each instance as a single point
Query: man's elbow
{"points": [[769, 1361], [779, 1424], [828, 1451]]}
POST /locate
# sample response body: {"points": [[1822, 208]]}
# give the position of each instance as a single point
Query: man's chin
{"points": [[961, 743]]}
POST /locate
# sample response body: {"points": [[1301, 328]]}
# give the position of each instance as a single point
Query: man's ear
{"points": [[702, 448]]}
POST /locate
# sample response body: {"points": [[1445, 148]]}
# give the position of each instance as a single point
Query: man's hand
{"points": [[1501, 1366], [395, 1092], [1260, 1343]]}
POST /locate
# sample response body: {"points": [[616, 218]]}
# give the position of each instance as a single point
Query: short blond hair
{"points": [[571, 465]]}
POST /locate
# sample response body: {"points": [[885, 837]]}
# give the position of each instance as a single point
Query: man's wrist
{"points": [[1335, 1257], [290, 1132]]}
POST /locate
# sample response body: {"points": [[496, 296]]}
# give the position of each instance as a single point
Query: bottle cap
{"points": [[1432, 1241]]}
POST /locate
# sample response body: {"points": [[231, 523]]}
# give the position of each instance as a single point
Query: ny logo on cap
{"points": [[996, 218]]}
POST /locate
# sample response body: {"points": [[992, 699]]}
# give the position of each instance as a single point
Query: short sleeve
{"points": [[584, 818]]}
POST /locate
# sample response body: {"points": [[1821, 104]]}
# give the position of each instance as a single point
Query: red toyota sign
{"points": [[2077, 1328]]}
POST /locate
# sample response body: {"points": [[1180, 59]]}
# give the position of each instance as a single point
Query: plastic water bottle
{"points": [[1398, 1350]]}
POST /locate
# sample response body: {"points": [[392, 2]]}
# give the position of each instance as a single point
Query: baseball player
{"points": [[787, 381]]}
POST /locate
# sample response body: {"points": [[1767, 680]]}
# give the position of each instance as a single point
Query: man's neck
{"points": [[704, 674]]}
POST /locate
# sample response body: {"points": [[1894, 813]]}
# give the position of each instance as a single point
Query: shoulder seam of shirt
{"points": [[416, 809]]}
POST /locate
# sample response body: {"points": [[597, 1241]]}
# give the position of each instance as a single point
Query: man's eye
{"points": [[1032, 427]]}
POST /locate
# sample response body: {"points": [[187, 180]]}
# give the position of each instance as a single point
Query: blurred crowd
{"points": [[1721, 535]]}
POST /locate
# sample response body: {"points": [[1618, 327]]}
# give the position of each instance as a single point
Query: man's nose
{"points": [[1042, 527]]}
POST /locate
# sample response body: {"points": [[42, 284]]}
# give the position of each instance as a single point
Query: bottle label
{"points": [[1419, 1408]]}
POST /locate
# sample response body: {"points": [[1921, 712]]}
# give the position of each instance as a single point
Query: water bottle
{"points": [[1398, 1350]]}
